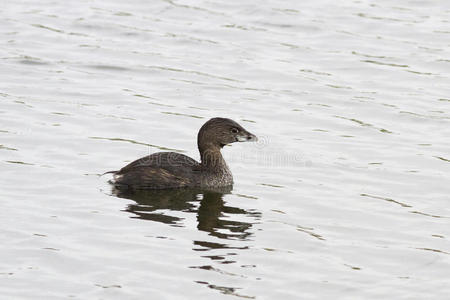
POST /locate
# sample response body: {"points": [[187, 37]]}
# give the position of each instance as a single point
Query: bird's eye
{"points": [[234, 130]]}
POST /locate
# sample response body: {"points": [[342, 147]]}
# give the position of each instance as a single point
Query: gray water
{"points": [[345, 196]]}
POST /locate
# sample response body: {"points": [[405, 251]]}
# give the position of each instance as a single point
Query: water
{"points": [[345, 196]]}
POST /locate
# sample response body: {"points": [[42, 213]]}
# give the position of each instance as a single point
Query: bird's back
{"points": [[160, 170]]}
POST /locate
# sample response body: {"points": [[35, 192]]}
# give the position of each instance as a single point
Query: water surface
{"points": [[346, 194]]}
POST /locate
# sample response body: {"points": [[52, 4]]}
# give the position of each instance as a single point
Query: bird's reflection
{"points": [[214, 216], [212, 211]]}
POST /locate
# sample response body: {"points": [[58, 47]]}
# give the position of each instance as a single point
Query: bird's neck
{"points": [[211, 158]]}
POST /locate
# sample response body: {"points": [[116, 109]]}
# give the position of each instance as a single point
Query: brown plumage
{"points": [[166, 170]]}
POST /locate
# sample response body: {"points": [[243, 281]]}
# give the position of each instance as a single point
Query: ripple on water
{"points": [[135, 142], [347, 188]]}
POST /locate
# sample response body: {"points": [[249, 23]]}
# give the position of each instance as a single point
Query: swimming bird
{"points": [[168, 170]]}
